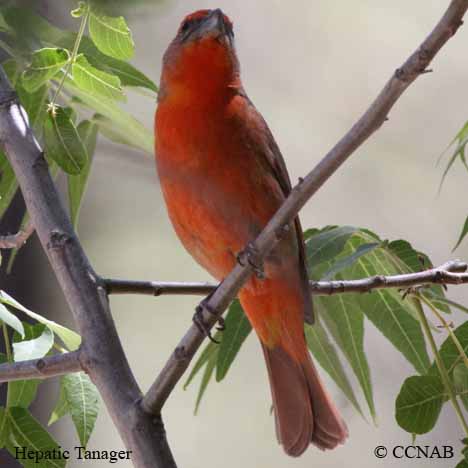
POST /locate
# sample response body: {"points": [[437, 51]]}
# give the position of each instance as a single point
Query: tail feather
{"points": [[304, 412]]}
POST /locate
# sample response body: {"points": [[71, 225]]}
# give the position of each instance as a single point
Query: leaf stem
{"points": [[455, 340], [6, 338], [440, 365], [84, 20]]}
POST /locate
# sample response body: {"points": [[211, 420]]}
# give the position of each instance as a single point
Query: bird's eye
{"points": [[185, 26]]}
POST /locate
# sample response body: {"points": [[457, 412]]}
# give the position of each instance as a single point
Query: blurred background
{"points": [[311, 68]]}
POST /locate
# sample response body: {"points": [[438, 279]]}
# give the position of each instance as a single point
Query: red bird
{"points": [[223, 178]]}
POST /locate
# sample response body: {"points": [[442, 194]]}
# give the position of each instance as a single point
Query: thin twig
{"points": [[448, 273], [44, 368], [71, 61], [372, 119], [15, 241]]}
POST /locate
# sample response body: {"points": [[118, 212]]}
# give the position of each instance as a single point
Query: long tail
{"points": [[304, 412]]}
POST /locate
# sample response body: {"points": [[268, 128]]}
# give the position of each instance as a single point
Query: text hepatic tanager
{"points": [[223, 178]]}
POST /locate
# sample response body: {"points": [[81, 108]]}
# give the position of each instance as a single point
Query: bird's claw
{"points": [[251, 256], [221, 324], [201, 324], [412, 290]]}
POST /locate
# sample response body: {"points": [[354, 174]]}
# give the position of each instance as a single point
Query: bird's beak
{"points": [[214, 25]]}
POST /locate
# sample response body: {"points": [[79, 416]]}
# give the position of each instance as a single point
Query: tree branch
{"points": [[41, 368], [157, 288], [101, 354], [372, 119], [452, 272], [15, 241]]}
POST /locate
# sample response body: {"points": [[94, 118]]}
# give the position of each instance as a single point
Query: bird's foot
{"points": [[411, 291], [200, 322], [250, 256]]}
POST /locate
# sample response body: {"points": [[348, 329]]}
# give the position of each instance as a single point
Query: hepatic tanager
{"points": [[223, 178]]}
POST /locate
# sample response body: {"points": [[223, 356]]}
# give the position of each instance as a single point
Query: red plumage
{"points": [[223, 178]]}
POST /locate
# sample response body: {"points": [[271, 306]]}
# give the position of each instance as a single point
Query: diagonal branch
{"points": [[372, 119], [452, 272], [41, 368]]}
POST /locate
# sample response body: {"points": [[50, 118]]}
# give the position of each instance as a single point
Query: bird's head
{"points": [[202, 56]]}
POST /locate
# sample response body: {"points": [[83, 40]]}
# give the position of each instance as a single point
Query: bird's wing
{"points": [[275, 162]]}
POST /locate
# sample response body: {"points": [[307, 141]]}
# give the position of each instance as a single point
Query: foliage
{"points": [[459, 142], [344, 253], [72, 86], [78, 396]]}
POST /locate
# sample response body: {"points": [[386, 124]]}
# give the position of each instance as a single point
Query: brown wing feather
{"points": [[275, 162]]}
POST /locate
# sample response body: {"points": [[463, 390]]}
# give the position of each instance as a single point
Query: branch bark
{"points": [[15, 241], [102, 355], [44, 368], [452, 272], [372, 119]]}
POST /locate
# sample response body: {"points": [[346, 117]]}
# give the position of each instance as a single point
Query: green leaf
{"points": [[70, 338], [34, 27], [60, 409], [462, 235], [326, 355], [96, 82], [209, 369], [207, 360], [27, 22], [349, 260], [210, 350], [135, 132], [127, 73], [108, 129], [111, 35], [3, 24], [462, 464], [83, 403], [77, 183], [237, 330], [460, 381], [342, 315], [413, 261], [63, 144], [449, 351], [28, 432], [34, 103], [325, 246], [8, 184], [45, 64], [23, 392], [11, 320], [462, 140], [442, 302], [4, 427], [345, 321], [35, 348], [386, 309], [419, 403]]}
